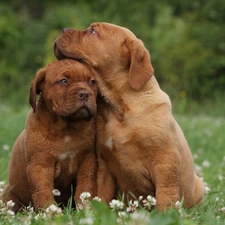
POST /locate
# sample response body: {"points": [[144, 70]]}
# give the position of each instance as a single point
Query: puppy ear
{"points": [[36, 87], [141, 69]]}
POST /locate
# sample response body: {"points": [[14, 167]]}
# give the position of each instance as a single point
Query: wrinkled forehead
{"points": [[112, 28], [68, 69]]}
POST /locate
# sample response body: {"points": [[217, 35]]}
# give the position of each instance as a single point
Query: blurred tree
{"points": [[11, 54], [186, 40]]}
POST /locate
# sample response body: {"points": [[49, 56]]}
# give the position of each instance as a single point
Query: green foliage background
{"points": [[186, 40]]}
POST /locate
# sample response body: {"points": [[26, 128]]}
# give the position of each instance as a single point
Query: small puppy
{"points": [[141, 149], [56, 149]]}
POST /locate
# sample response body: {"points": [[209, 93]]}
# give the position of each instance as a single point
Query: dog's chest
{"points": [[125, 151], [68, 157], [115, 134], [66, 164]]}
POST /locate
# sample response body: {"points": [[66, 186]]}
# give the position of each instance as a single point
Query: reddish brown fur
{"points": [[56, 149], [141, 148]]}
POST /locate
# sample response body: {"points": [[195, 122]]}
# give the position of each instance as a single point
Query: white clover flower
{"points": [[222, 209], [53, 209], [217, 199], [97, 199], [140, 198], [198, 170], [121, 217], [207, 190], [151, 199], [2, 184], [149, 202], [10, 213], [116, 205], [140, 218], [195, 156], [56, 192], [220, 177], [87, 221], [206, 164], [29, 210], [10, 204], [133, 205], [178, 204], [121, 214], [5, 147], [84, 197], [40, 215]]}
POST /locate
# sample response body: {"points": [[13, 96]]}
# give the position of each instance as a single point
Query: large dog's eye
{"points": [[92, 82], [92, 30], [63, 81]]}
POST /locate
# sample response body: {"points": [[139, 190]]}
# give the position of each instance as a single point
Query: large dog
{"points": [[56, 149], [141, 148]]}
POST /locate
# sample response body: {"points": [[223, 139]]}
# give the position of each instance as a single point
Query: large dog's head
{"points": [[67, 88], [110, 51]]}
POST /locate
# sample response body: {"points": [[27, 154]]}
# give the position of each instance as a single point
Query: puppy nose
{"points": [[83, 95]]}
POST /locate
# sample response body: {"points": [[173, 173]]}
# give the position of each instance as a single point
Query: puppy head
{"points": [[107, 49], [67, 88]]}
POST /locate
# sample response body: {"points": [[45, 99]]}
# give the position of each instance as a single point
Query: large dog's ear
{"points": [[141, 68], [36, 87]]}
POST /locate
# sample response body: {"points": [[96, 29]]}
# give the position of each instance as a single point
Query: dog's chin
{"points": [[58, 53], [80, 114]]}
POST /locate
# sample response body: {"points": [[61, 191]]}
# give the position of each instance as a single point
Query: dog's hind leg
{"points": [[7, 196], [199, 190]]}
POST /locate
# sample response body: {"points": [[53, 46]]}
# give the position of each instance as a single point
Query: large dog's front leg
{"points": [[166, 176], [106, 187], [41, 181]]}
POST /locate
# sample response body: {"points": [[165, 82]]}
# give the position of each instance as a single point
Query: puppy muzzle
{"points": [[58, 53]]}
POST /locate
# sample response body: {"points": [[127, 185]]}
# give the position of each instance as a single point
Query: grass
{"points": [[205, 135]]}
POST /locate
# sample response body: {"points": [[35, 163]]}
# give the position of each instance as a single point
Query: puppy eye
{"points": [[92, 31], [63, 81], [92, 82]]}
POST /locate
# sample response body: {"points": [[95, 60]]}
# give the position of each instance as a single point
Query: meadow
{"points": [[205, 135]]}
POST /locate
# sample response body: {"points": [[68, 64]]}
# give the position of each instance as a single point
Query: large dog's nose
{"points": [[64, 30], [83, 95]]}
